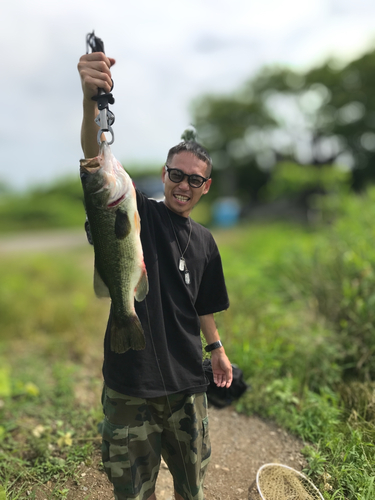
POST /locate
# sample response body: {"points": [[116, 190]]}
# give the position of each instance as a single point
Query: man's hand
{"points": [[221, 368], [95, 73]]}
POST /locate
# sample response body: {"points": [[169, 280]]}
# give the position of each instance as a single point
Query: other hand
{"points": [[221, 368]]}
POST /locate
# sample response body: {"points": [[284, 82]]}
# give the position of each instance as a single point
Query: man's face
{"points": [[180, 197]]}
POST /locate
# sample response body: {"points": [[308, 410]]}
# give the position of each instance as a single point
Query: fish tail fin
{"points": [[127, 334]]}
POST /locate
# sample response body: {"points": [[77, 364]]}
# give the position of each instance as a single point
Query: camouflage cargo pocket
{"points": [[115, 455], [206, 448]]}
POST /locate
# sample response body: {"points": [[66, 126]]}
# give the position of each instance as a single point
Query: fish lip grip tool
{"points": [[105, 118]]}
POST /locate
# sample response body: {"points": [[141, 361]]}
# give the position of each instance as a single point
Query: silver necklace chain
{"points": [[182, 262]]}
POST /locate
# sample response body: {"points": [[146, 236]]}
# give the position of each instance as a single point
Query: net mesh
{"points": [[276, 482]]}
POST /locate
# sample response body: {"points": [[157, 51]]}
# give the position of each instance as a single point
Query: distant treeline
{"points": [[61, 205], [58, 205]]}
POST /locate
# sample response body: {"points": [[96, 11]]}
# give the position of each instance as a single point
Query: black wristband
{"points": [[214, 345]]}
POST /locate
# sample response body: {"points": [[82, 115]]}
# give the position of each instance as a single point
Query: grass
{"points": [[50, 360], [307, 360], [43, 436]]}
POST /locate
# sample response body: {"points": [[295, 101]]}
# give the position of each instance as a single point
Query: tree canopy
{"points": [[324, 116]]}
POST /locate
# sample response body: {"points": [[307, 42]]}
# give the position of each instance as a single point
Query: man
{"points": [[154, 400]]}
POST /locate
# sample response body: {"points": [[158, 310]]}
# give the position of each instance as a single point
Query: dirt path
{"points": [[240, 444]]}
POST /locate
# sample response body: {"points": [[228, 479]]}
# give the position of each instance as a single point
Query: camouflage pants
{"points": [[137, 432]]}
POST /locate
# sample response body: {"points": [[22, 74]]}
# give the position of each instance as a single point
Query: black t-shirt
{"points": [[169, 314]]}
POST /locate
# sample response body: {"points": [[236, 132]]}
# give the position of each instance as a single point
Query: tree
{"points": [[323, 116]]}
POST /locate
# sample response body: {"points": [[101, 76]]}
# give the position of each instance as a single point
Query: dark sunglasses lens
{"points": [[176, 175], [196, 181]]}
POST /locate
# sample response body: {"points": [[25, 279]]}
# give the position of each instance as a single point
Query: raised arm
{"points": [[95, 73]]}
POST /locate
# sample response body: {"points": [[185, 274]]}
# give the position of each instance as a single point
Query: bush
{"points": [[339, 274]]}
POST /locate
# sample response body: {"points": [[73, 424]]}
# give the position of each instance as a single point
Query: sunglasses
{"points": [[194, 180]]}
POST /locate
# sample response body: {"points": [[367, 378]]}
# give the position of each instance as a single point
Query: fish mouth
{"points": [[90, 165], [116, 202]]}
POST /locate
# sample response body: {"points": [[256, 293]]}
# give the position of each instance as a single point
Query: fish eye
{"points": [[84, 175]]}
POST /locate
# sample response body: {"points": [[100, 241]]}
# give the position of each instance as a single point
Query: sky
{"points": [[167, 54]]}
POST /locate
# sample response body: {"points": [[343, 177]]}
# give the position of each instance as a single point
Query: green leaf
{"points": [[3, 495]]}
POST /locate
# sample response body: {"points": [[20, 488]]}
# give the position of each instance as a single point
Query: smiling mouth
{"points": [[180, 197]]}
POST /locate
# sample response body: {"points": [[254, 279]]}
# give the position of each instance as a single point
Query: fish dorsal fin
{"points": [[122, 225], [100, 288], [142, 287]]}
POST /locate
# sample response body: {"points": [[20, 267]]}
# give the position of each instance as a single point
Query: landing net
{"points": [[280, 482]]}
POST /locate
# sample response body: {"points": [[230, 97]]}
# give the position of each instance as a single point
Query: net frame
{"points": [[298, 473]]}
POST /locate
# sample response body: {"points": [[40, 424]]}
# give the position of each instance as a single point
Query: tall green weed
{"points": [[338, 273], [267, 334]]}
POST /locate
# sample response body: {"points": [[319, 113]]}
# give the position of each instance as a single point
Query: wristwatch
{"points": [[214, 345]]}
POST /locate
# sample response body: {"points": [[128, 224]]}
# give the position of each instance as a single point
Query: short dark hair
{"points": [[196, 149]]}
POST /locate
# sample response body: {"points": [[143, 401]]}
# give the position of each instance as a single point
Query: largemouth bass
{"points": [[119, 272]]}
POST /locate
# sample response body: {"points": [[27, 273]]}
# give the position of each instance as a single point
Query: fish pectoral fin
{"points": [[127, 334], [141, 290], [122, 225], [100, 288]]}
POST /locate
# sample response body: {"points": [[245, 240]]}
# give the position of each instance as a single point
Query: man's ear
{"points": [[207, 186], [163, 174]]}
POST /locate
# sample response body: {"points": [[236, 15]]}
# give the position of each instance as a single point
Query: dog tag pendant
{"points": [[182, 264], [187, 277]]}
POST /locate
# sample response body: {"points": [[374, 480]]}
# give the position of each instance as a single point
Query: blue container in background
{"points": [[226, 211]]}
